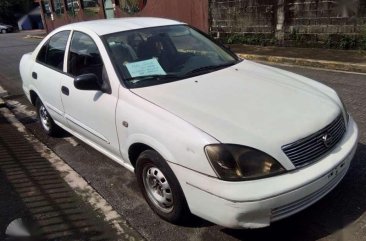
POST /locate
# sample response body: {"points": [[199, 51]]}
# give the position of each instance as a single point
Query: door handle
{"points": [[65, 90], [34, 75]]}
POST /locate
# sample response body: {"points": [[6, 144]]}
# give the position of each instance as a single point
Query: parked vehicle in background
{"points": [[235, 142], [5, 28]]}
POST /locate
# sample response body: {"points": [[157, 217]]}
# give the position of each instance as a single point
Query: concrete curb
{"points": [[35, 36], [3, 93], [334, 65], [2, 103]]}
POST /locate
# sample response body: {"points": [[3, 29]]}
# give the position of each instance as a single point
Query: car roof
{"points": [[107, 26]]}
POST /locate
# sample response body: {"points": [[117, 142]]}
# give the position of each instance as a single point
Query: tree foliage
{"points": [[11, 10]]}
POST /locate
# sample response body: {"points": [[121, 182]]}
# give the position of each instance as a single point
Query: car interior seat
{"points": [[158, 46]]}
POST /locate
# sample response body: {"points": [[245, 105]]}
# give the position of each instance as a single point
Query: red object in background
{"points": [[142, 4]]}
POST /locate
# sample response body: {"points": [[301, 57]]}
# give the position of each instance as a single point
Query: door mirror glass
{"points": [[87, 82]]}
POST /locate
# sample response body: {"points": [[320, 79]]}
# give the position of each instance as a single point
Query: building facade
{"points": [[56, 13], [318, 23], [329, 23]]}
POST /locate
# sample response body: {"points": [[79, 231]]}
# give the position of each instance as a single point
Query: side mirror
{"points": [[87, 82]]}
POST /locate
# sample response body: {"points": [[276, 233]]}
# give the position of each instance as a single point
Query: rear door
{"points": [[48, 73]]}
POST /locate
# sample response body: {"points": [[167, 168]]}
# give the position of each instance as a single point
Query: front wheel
{"points": [[3, 31], [47, 123], [160, 187]]}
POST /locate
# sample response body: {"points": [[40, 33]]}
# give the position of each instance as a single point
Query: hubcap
{"points": [[158, 189], [45, 119]]}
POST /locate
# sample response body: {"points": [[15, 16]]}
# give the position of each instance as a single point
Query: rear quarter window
{"points": [[52, 52]]}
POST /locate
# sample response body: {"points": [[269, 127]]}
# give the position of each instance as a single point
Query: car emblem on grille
{"points": [[326, 139]]}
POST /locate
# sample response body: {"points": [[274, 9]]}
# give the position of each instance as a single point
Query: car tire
{"points": [[160, 187], [3, 31], [46, 121]]}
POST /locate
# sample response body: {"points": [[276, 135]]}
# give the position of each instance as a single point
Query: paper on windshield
{"points": [[145, 68]]}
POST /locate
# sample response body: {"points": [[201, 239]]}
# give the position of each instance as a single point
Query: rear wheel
{"points": [[160, 187], [3, 31], [47, 123]]}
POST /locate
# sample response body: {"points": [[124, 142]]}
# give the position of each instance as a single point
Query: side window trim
{"points": [[67, 52]]}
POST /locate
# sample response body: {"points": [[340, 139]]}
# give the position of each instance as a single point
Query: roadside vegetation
{"points": [[296, 39], [12, 10]]}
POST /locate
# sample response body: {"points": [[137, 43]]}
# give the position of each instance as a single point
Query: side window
{"points": [[53, 51], [84, 57]]}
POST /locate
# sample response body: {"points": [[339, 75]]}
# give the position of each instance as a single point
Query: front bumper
{"points": [[257, 203]]}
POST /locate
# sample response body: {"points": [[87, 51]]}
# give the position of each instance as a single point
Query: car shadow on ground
{"points": [[341, 208], [32, 191]]}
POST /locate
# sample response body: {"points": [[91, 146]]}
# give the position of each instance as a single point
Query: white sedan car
{"points": [[234, 142]]}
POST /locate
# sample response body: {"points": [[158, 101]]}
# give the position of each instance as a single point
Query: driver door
{"points": [[89, 113]]}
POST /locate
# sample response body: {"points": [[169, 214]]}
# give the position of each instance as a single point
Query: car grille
{"points": [[307, 150], [296, 206]]}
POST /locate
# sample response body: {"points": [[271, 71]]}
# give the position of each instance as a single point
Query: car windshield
{"points": [[158, 55]]}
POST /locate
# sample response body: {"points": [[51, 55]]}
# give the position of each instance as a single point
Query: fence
{"points": [[294, 22]]}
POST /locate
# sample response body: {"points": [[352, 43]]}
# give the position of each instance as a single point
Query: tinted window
{"points": [[53, 51], [84, 57]]}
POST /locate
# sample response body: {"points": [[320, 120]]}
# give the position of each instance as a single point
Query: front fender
{"points": [[149, 141], [176, 140]]}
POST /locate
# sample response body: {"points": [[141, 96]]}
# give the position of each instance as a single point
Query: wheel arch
{"points": [[139, 143], [33, 97], [135, 150]]}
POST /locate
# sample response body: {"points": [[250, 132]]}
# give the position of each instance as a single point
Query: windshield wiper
{"points": [[159, 77], [209, 68], [149, 77]]}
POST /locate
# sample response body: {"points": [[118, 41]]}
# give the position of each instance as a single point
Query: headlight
{"points": [[344, 109], [235, 163]]}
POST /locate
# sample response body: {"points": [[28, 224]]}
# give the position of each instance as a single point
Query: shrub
{"points": [[251, 39]]}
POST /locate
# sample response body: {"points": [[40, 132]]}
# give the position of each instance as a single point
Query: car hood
{"points": [[248, 104]]}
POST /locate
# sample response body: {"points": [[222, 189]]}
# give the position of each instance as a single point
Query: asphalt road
{"points": [[341, 215], [12, 47]]}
